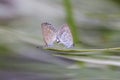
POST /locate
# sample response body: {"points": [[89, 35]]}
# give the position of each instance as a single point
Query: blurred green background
{"points": [[95, 24]]}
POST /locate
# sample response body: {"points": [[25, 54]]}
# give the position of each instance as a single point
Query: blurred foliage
{"points": [[70, 20], [116, 1], [95, 24]]}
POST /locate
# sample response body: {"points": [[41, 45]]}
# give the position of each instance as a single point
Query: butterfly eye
{"points": [[58, 41]]}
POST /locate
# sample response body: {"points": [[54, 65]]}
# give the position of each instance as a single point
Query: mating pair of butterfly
{"points": [[61, 36]]}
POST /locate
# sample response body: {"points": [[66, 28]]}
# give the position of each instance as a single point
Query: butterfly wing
{"points": [[49, 34], [64, 36]]}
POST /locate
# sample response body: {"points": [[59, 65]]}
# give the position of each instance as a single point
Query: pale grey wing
{"points": [[49, 34], [64, 36]]}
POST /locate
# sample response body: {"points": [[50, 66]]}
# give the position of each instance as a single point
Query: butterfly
{"points": [[49, 34], [64, 36], [61, 36]]}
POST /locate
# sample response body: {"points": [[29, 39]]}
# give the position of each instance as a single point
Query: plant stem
{"points": [[84, 50], [70, 19]]}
